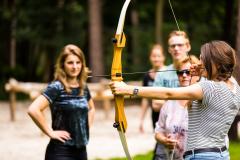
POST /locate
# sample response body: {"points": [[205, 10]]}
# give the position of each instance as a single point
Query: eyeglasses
{"points": [[185, 71], [177, 45]]}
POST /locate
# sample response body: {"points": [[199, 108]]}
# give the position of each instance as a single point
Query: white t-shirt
{"points": [[173, 121]]}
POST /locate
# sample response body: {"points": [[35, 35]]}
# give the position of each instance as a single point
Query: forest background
{"points": [[33, 32]]}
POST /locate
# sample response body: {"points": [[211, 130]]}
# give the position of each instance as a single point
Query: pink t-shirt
{"points": [[173, 121]]}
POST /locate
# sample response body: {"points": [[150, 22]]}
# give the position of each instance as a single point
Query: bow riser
{"points": [[119, 44]]}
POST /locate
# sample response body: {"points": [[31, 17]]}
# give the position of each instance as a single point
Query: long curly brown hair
{"points": [[60, 73]]}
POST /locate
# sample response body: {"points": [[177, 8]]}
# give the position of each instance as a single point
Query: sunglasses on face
{"points": [[181, 72]]}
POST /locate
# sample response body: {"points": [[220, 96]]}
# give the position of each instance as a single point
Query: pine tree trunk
{"points": [[233, 132], [95, 38], [135, 37], [159, 21], [238, 44], [13, 35]]}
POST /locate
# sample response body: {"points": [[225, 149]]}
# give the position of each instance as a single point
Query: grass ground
{"points": [[234, 150]]}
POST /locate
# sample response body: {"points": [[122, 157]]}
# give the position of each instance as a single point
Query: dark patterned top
{"points": [[69, 112]]}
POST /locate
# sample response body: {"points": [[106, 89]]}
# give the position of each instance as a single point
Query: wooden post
{"points": [[13, 86], [107, 107], [12, 98]]}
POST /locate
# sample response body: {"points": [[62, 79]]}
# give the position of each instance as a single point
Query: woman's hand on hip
{"points": [[60, 135]]}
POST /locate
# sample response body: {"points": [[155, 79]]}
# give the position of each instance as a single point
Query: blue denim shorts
{"points": [[209, 156]]}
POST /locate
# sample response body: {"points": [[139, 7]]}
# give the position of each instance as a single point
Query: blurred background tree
{"points": [[33, 32]]}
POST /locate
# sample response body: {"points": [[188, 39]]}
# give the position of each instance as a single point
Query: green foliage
{"points": [[44, 27], [3, 94], [18, 72], [233, 149], [147, 156]]}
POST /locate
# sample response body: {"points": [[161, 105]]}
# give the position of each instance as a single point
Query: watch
{"points": [[135, 92]]}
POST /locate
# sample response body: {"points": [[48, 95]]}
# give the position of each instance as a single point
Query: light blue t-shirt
{"points": [[167, 78]]}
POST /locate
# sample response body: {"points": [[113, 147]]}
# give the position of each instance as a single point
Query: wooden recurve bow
{"points": [[116, 75]]}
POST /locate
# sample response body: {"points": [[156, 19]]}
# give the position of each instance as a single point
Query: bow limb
{"points": [[116, 75], [122, 18]]}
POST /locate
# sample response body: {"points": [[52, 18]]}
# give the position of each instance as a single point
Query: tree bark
{"points": [[13, 35], [237, 46], [233, 132], [228, 21], [95, 38], [135, 37], [159, 21], [60, 6]]}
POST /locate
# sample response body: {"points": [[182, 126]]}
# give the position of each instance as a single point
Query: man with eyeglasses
{"points": [[178, 47]]}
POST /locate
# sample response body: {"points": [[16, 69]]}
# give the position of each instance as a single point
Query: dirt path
{"points": [[23, 140]]}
